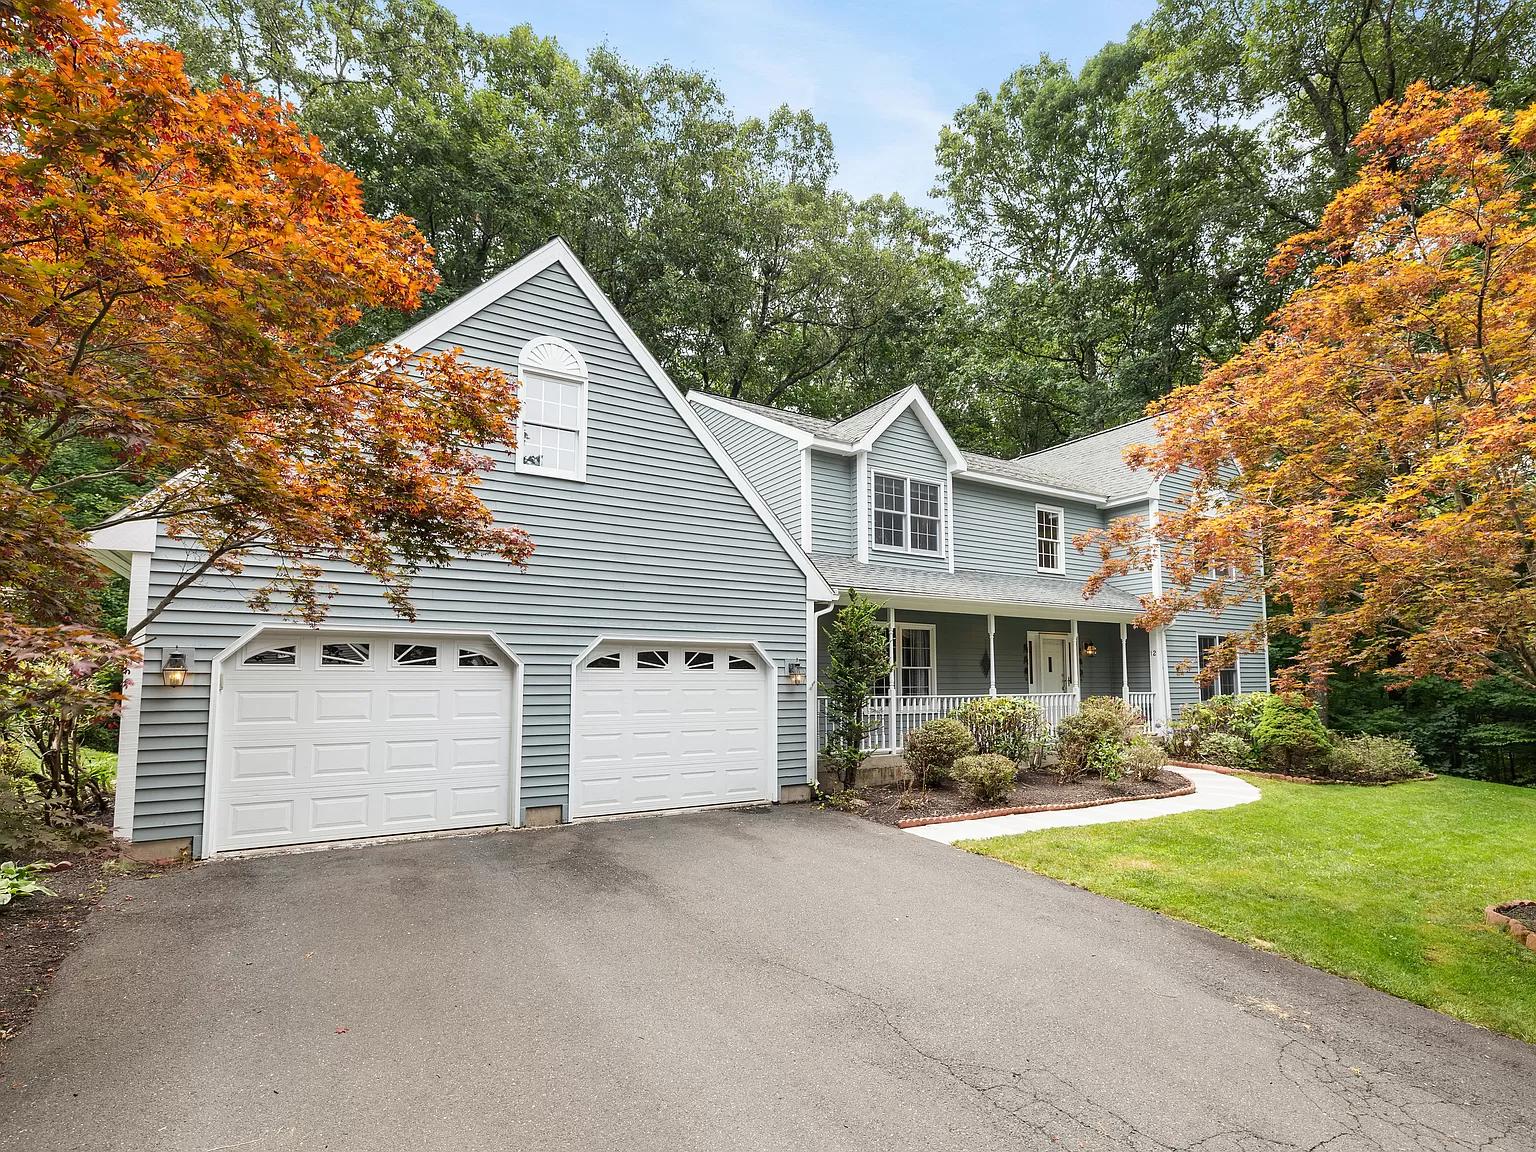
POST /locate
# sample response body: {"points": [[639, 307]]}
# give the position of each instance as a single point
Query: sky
{"points": [[883, 77]]}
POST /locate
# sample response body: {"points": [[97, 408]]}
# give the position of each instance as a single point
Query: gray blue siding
{"points": [[906, 449], [657, 541], [769, 461], [832, 498], [1182, 636]]}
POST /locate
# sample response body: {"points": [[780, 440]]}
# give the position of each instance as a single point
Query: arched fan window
{"points": [[552, 419]]}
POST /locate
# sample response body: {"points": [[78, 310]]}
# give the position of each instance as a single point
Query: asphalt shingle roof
{"points": [[1093, 465], [844, 572]]}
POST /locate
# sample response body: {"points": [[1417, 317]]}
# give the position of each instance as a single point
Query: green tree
{"points": [[858, 655]]}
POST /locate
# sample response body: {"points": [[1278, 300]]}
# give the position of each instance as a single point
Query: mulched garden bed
{"points": [[1518, 918], [898, 806]]}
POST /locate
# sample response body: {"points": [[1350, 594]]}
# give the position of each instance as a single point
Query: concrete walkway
{"points": [[1212, 790]]}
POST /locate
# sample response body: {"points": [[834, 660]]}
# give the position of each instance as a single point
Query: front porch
{"points": [[942, 659]]}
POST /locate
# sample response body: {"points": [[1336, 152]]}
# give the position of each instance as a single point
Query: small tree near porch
{"points": [[858, 655]]}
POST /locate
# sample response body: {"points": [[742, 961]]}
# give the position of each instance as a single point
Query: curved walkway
{"points": [[1212, 790]]}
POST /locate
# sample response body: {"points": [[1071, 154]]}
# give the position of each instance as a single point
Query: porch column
{"points": [[1125, 668], [991, 654], [890, 721], [1077, 664]]}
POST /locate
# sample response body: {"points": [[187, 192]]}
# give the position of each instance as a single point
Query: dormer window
{"points": [[907, 514], [552, 412], [1050, 555]]}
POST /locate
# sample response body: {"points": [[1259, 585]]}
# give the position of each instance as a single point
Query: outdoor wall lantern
{"points": [[1090, 650], [797, 673], [174, 671]]}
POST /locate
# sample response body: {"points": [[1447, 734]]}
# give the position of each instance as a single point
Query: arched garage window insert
{"points": [[552, 417]]}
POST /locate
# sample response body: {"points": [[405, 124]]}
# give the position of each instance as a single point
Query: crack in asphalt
{"points": [[1378, 1110]]}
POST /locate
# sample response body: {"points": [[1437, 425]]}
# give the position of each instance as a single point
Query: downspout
{"points": [[813, 616]]}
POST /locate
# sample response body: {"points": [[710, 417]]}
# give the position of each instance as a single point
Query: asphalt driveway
{"points": [[780, 979]]}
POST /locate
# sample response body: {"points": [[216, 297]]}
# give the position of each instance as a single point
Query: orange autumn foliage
{"points": [[174, 266], [1376, 445]]}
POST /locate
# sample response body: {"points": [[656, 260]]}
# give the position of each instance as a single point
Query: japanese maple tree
{"points": [[1369, 462], [174, 265]]}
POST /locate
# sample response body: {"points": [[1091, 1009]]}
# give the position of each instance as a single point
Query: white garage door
{"points": [[657, 726], [326, 736]]}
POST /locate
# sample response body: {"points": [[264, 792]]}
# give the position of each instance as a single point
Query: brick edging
{"points": [[1494, 914], [1298, 779], [1024, 810]]}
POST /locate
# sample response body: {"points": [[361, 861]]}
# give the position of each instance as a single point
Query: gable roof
{"points": [[1099, 459], [1103, 479], [441, 322]]}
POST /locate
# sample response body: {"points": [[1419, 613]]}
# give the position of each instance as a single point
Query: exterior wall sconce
{"points": [[1090, 650], [797, 673], [173, 673]]}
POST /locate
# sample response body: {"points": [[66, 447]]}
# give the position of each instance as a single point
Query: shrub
{"points": [[933, 748], [857, 657], [1290, 738], [1004, 727], [986, 778], [1095, 739], [21, 880], [1374, 758], [1144, 759], [1226, 715], [1224, 750]]}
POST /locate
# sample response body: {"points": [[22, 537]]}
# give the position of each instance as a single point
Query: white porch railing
{"points": [[915, 711], [1146, 704]]}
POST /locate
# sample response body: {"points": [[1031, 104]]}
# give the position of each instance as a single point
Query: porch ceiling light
{"points": [[1090, 650], [797, 673], [174, 671]]}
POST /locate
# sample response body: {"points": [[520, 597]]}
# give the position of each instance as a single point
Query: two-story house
{"points": [[658, 652], [973, 558]]}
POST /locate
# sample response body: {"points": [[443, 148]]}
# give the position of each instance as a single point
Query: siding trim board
{"points": [[208, 845]]}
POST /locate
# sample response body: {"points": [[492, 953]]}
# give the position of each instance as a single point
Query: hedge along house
{"points": [[971, 557], [651, 657]]}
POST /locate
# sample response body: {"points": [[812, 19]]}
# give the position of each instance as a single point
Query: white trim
{"points": [[558, 252], [812, 659], [209, 845], [801, 438], [861, 494], [972, 605], [1035, 639], [1061, 539], [770, 672], [1092, 499], [905, 547], [991, 654], [914, 398], [807, 510], [933, 658], [133, 701], [1076, 661], [1125, 665], [564, 366], [949, 521]]}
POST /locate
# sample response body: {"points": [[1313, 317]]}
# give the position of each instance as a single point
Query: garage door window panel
{"points": [[285, 656], [346, 655], [416, 655]]}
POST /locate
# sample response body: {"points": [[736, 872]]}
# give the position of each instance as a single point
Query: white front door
{"points": [[1053, 664], [664, 725], [328, 736]]}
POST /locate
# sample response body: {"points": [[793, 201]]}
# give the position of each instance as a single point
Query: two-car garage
{"points": [[330, 735]]}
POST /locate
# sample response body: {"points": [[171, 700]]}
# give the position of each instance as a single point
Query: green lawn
{"points": [[1383, 885]]}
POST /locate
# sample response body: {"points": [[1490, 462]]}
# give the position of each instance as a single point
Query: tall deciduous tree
{"points": [[174, 264], [1377, 444]]}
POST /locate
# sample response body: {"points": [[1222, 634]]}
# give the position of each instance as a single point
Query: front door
{"points": [[1054, 664]]}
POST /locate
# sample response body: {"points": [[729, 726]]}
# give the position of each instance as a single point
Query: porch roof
{"points": [[844, 572]]}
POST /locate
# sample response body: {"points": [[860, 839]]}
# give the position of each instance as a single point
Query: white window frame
{"points": [[551, 358], [906, 515], [1061, 539], [1233, 668]]}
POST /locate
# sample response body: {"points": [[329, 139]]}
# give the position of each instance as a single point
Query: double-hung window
{"points": [[1050, 551], [907, 514], [552, 412], [1224, 683]]}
